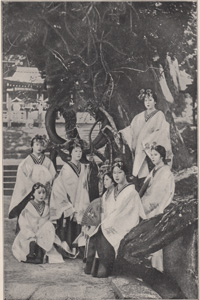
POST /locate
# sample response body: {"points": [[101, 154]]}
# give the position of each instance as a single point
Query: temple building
{"points": [[23, 94]]}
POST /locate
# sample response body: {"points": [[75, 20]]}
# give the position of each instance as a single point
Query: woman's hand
{"points": [[74, 218]]}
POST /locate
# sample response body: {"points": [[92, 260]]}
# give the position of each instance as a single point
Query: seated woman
{"points": [[148, 128], [157, 192], [36, 237], [108, 235]]}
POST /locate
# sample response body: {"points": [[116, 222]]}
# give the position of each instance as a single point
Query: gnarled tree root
{"points": [[152, 235]]}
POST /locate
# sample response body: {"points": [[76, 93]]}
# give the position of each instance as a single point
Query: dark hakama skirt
{"points": [[103, 265], [68, 230]]}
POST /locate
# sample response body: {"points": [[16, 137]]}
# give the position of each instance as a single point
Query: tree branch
{"points": [[89, 10], [129, 78], [111, 45], [58, 33], [11, 44], [137, 70], [134, 10], [94, 85], [66, 45], [57, 56], [66, 27]]}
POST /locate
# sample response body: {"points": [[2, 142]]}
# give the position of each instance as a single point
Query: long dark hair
{"points": [[161, 150], [109, 174]]}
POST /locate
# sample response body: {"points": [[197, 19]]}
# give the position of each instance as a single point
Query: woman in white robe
{"points": [[69, 196], [101, 207], [36, 167], [108, 235], [98, 209], [36, 238], [147, 129], [107, 201], [157, 193]]}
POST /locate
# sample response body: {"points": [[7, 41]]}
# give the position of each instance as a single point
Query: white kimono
{"points": [[108, 204], [125, 216], [158, 195], [70, 193], [29, 173], [141, 135], [34, 227]]}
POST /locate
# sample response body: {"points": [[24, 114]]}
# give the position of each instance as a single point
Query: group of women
{"points": [[55, 216]]}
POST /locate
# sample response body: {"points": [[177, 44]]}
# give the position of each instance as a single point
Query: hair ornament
{"points": [[41, 139], [73, 143], [145, 92], [104, 168], [76, 142], [37, 185], [118, 162], [154, 144]]}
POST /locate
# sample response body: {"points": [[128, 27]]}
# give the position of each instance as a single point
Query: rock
{"points": [[181, 262], [132, 288]]}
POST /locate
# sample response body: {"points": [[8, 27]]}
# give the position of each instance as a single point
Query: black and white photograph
{"points": [[99, 156]]}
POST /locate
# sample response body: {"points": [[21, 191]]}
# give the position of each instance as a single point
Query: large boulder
{"points": [[181, 262]]}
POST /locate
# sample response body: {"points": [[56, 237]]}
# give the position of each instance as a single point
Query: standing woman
{"points": [[146, 129], [157, 193], [69, 197], [107, 237], [35, 167]]}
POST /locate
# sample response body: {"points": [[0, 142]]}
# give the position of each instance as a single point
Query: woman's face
{"points": [[76, 153], [149, 102], [37, 147], [40, 194], [156, 157], [107, 181], [119, 175]]}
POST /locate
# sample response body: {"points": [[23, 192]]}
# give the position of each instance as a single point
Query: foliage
{"points": [[88, 49]]}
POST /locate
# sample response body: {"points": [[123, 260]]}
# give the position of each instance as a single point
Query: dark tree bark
{"points": [[154, 234]]}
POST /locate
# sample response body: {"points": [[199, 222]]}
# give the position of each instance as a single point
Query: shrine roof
{"points": [[26, 75]]}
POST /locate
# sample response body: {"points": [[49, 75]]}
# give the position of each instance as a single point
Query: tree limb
{"points": [[11, 44], [153, 234], [137, 70], [117, 50]]}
